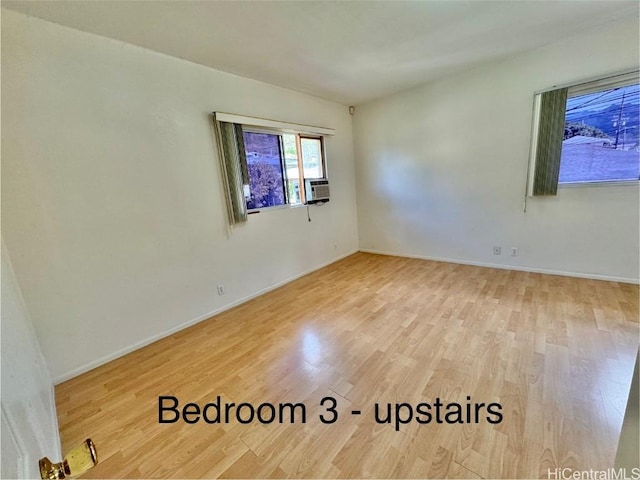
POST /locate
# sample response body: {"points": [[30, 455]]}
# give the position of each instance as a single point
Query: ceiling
{"points": [[346, 51]]}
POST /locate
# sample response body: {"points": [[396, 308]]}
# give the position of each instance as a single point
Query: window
{"points": [[263, 152], [312, 157], [292, 167], [585, 133], [600, 141], [265, 163], [275, 162]]}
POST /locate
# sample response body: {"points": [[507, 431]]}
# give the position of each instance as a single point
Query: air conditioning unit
{"points": [[316, 190]]}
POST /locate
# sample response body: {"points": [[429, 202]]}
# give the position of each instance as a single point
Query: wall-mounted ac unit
{"points": [[316, 190]]}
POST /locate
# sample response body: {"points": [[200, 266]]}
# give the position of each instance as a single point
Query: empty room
{"points": [[320, 239]]}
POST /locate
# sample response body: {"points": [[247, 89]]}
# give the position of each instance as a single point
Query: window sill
{"points": [[602, 183], [277, 207]]}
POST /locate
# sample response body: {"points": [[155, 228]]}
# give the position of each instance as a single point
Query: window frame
{"points": [[283, 170], [322, 156], [227, 129], [283, 167], [594, 86], [585, 86]]}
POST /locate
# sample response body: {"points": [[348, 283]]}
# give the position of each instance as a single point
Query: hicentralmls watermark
{"points": [[608, 474]]}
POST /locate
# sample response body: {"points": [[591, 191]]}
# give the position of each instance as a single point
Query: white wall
{"points": [[441, 169], [29, 422], [111, 202]]}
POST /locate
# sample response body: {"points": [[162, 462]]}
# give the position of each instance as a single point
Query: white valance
{"points": [[282, 126]]}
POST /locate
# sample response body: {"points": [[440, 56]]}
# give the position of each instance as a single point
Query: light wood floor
{"points": [[556, 352]]}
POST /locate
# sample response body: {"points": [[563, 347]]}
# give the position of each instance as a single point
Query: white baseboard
{"points": [[592, 276], [154, 338]]}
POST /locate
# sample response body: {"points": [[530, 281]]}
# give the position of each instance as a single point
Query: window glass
{"points": [[291, 165], [601, 136], [311, 157], [264, 162]]}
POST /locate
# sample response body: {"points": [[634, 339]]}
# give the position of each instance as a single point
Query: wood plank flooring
{"points": [[556, 352]]}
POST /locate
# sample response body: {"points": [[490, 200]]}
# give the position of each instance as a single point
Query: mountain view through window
{"points": [[601, 136]]}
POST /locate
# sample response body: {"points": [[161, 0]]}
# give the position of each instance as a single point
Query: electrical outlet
{"points": [[514, 251], [497, 251], [220, 289]]}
